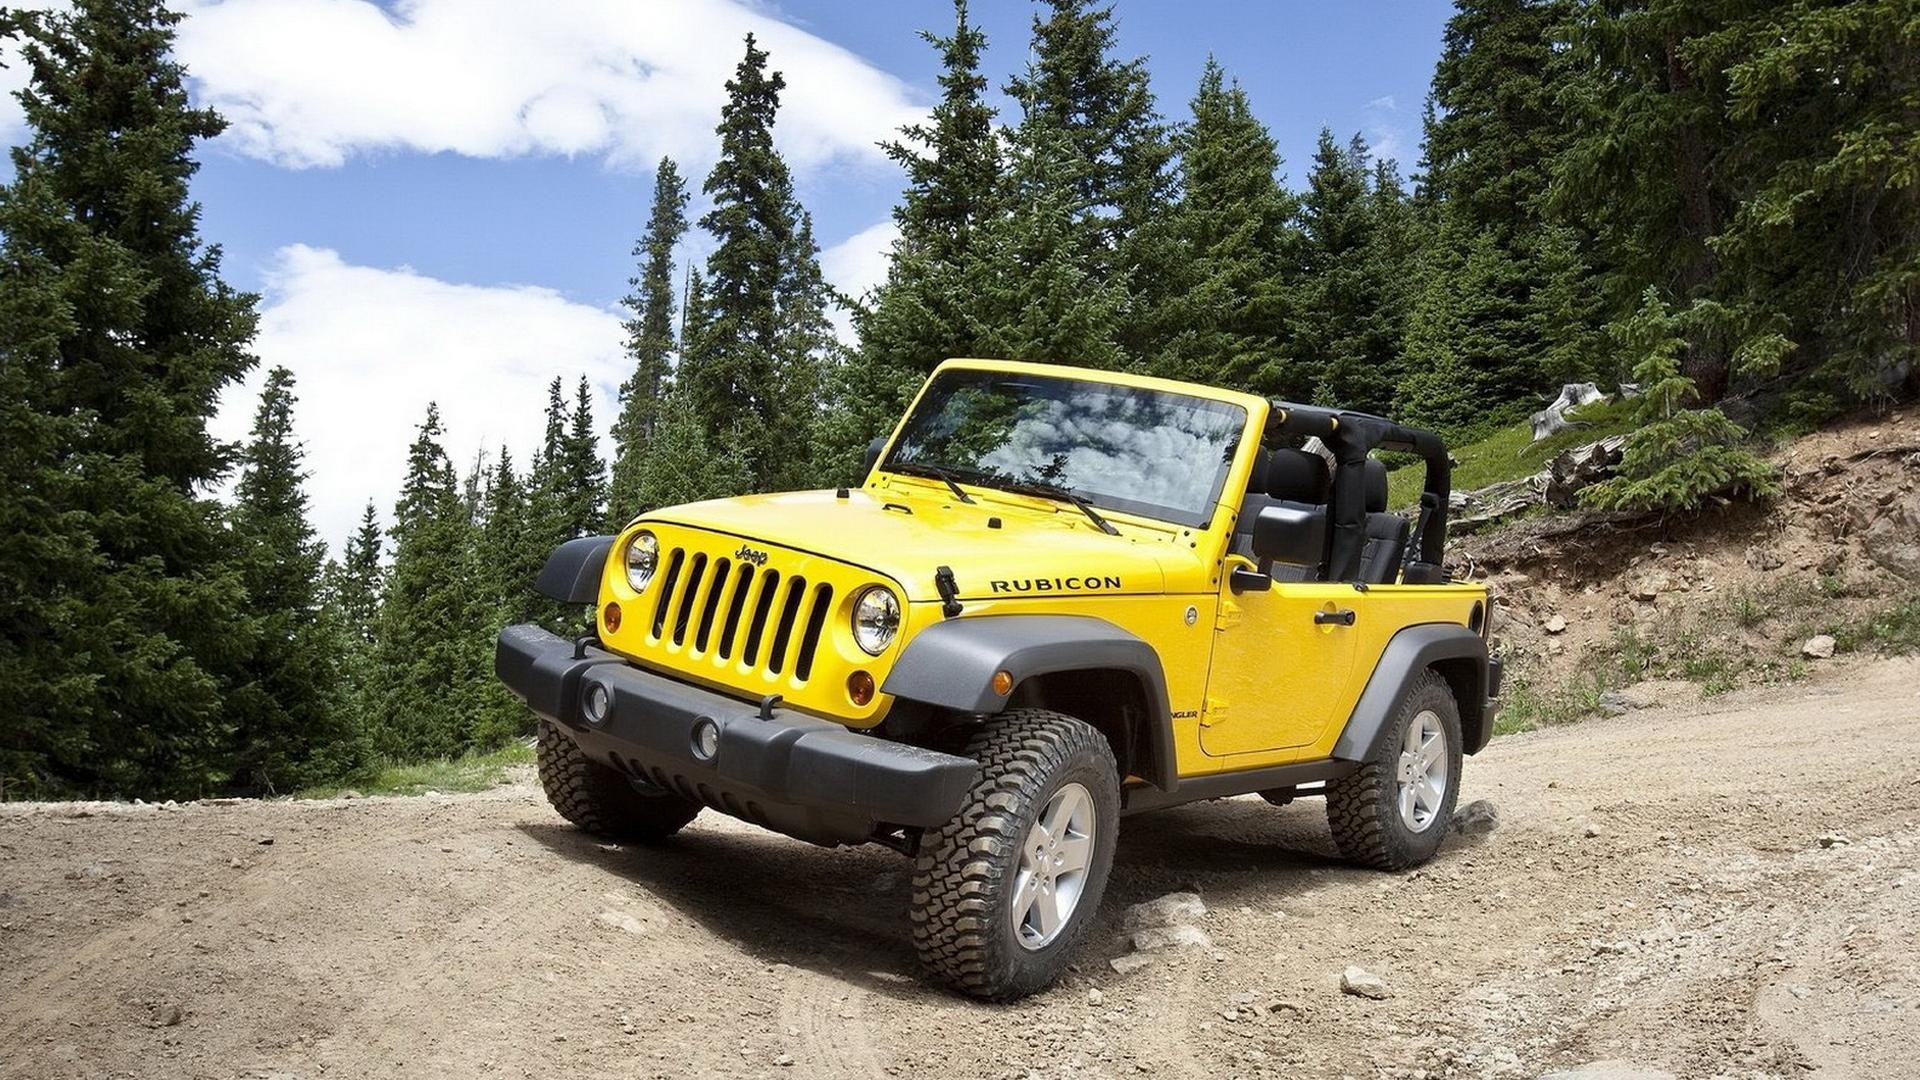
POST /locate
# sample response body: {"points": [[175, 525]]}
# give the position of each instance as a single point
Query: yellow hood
{"points": [[1040, 548]]}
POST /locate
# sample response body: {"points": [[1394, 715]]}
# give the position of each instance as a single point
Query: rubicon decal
{"points": [[1055, 584]]}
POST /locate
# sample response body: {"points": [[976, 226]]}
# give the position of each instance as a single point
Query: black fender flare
{"points": [[1457, 653], [951, 665], [573, 570]]}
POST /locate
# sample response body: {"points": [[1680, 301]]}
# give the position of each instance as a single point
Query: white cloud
{"points": [[370, 347], [857, 265], [314, 82], [1385, 132]]}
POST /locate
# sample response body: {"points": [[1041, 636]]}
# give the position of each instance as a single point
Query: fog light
{"points": [[1003, 683], [611, 616], [706, 739], [860, 687], [597, 703]]}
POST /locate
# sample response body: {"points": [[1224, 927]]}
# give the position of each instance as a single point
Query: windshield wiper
{"points": [[1055, 491], [915, 468]]}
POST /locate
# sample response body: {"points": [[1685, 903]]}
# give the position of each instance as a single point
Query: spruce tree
{"points": [[359, 579], [504, 566], [922, 314], [650, 344], [122, 614], [1102, 109], [1226, 305], [752, 373], [351, 613], [1035, 295], [585, 482], [428, 669], [1345, 343], [290, 726]]}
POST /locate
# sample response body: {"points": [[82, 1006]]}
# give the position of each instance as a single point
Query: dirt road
{"points": [[1658, 892]]}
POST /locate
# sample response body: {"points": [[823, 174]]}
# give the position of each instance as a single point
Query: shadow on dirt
{"points": [[841, 912]]}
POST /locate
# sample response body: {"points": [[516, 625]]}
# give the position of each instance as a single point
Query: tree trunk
{"points": [[1707, 360]]}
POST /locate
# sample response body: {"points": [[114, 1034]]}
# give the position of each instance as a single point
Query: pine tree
{"points": [[585, 474], [1226, 305], [1638, 169], [1491, 144], [753, 371], [290, 726], [921, 315], [1345, 348], [505, 567], [351, 613], [122, 610], [1824, 242], [1677, 457], [650, 344], [358, 580], [1103, 110], [428, 669], [1035, 295]]}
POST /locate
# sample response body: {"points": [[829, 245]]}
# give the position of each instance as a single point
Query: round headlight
{"points": [[876, 618], [643, 555]]}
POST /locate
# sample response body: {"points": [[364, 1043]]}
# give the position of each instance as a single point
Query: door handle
{"points": [[1343, 617]]}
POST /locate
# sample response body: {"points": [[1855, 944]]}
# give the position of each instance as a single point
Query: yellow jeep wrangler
{"points": [[1060, 596]]}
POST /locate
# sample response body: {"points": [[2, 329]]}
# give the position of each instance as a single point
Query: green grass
{"points": [[468, 772], [1510, 453], [1893, 630]]}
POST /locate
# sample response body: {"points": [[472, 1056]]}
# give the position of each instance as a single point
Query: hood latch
{"points": [[949, 591]]}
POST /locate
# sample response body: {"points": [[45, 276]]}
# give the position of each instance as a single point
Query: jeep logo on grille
{"points": [[747, 554]]}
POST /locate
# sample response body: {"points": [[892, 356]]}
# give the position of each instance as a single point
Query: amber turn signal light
{"points": [[610, 615], [1003, 683], [860, 687]]}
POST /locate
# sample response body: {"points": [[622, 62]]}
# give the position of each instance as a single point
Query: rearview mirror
{"points": [[873, 456]]}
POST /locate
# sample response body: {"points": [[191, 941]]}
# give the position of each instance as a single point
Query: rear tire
{"points": [[602, 800], [1393, 813], [1004, 891]]}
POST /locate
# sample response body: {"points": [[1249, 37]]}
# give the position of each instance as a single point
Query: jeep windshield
{"points": [[1152, 453]]}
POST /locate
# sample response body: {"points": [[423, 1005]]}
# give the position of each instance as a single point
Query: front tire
{"points": [[1004, 891], [603, 801], [1393, 813]]}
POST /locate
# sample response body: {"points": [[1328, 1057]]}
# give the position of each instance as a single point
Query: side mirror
{"points": [[1292, 533], [873, 456]]}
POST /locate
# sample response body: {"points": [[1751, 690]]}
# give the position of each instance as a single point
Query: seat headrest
{"points": [[1376, 477], [1257, 478], [1297, 476]]}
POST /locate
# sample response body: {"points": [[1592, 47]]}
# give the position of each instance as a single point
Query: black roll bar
{"points": [[1352, 436]]}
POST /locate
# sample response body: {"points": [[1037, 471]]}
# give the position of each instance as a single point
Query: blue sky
{"points": [[438, 198]]}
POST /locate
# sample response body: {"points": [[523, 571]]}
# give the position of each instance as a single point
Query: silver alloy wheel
{"points": [[1423, 771], [1054, 861]]}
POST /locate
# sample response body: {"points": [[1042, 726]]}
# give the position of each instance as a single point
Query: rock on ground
{"points": [[1360, 982], [1168, 910], [1819, 647], [1476, 818], [1155, 938]]}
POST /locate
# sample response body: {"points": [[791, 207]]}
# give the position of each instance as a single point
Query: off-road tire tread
{"points": [[1361, 829], [599, 799], [955, 892]]}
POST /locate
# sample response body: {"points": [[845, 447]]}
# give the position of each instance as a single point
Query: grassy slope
{"points": [[469, 772], [1510, 453]]}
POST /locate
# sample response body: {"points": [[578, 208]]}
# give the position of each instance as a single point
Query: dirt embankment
{"points": [[1728, 890], [1731, 596]]}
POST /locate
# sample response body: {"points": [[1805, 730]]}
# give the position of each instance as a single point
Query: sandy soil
{"points": [[1658, 893]]}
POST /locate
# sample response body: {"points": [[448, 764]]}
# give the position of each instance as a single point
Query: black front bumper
{"points": [[795, 774]]}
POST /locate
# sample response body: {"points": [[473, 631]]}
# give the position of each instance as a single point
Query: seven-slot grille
{"points": [[712, 606]]}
